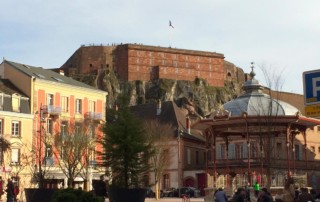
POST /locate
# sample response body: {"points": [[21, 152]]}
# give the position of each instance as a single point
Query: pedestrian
{"points": [[240, 195], [256, 188], [220, 196], [289, 192], [100, 188], [266, 195], [247, 191], [1, 187], [305, 196], [10, 191]]}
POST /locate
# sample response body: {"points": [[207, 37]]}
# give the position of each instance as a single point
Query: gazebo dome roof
{"points": [[256, 103]]}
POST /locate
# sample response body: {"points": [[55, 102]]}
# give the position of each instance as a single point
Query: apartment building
{"points": [[60, 106], [16, 130]]}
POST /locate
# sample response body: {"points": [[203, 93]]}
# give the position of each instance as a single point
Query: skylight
{"points": [[39, 75], [57, 79]]}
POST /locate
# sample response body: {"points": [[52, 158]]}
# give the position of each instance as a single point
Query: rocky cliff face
{"points": [[196, 96]]}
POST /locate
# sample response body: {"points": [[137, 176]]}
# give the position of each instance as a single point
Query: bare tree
{"points": [[71, 151], [160, 135]]}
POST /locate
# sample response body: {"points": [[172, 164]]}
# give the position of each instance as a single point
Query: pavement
{"points": [[168, 199]]}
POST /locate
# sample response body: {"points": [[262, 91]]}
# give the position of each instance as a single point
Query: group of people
{"points": [[288, 194], [11, 189]]}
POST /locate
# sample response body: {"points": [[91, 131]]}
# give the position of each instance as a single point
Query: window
{"points": [[188, 156], [197, 157], [92, 106], [49, 126], [63, 128], [298, 152], [312, 148], [78, 128], [15, 156], [64, 104], [244, 150], [15, 128], [15, 104], [78, 106], [49, 99], [231, 151], [218, 151], [48, 150], [166, 181], [90, 132]]}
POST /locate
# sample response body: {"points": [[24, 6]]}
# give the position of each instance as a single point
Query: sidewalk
{"points": [[167, 199]]}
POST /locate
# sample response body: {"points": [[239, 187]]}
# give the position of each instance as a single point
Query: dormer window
{"points": [[15, 103]]}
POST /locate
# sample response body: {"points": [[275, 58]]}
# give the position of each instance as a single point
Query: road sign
{"points": [[311, 84], [312, 110]]}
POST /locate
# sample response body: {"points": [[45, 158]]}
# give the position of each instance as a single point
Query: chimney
{"points": [[188, 124], [158, 107], [61, 71]]}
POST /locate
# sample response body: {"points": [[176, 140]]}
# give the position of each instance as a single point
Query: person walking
{"points": [[221, 196], [256, 188], [10, 191]]}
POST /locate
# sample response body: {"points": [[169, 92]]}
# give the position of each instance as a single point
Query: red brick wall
{"points": [[136, 62], [172, 63]]}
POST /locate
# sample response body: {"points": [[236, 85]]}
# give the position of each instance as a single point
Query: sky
{"points": [[279, 36]]}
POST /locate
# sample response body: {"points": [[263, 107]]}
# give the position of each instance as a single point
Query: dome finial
{"points": [[252, 74]]}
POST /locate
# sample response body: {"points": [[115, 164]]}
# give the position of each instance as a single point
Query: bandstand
{"points": [[256, 138]]}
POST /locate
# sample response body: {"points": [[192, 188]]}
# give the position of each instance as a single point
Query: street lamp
{"points": [[42, 120]]}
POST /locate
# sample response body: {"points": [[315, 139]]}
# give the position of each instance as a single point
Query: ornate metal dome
{"points": [[256, 103]]}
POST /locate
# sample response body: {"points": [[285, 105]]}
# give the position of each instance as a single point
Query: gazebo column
{"points": [[249, 152], [214, 160], [261, 157], [288, 148], [305, 148], [227, 161], [207, 147], [293, 135]]}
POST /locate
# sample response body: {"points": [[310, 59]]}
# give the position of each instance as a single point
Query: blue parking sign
{"points": [[311, 82]]}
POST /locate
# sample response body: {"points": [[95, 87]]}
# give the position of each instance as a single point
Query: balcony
{"points": [[49, 161], [52, 110], [94, 116]]}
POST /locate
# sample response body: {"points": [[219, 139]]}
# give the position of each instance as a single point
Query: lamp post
{"points": [[41, 177]]}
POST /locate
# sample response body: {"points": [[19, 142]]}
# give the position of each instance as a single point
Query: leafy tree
{"points": [[127, 149]]}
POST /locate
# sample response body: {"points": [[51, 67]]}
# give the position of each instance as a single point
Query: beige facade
{"points": [[59, 106]]}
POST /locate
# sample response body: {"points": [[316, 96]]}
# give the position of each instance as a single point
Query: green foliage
{"points": [[127, 149], [75, 195]]}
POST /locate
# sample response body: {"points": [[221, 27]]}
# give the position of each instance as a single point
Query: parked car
{"points": [[150, 193], [169, 192], [190, 191]]}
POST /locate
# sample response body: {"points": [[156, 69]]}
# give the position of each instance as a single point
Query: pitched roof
{"points": [[170, 114], [6, 87], [46, 74]]}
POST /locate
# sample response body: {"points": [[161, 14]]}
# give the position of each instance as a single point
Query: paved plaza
{"points": [[167, 199]]}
